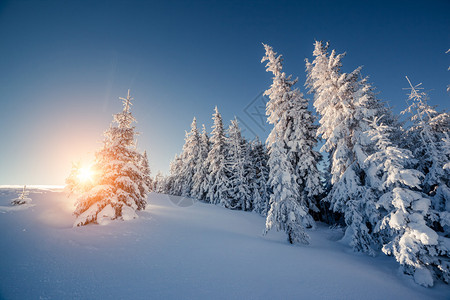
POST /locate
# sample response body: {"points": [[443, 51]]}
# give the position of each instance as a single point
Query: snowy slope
{"points": [[173, 251]]}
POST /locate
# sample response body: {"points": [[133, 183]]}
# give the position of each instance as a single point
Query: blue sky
{"points": [[64, 64]]}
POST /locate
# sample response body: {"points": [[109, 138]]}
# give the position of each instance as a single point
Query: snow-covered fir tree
{"points": [[425, 137], [286, 212], [159, 183], [327, 83], [217, 177], [200, 179], [120, 188], [22, 197], [239, 194], [145, 167], [417, 247], [290, 110], [259, 160], [174, 181], [302, 140], [190, 158], [345, 102]]}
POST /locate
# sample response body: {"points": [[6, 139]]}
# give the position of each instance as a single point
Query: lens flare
{"points": [[85, 174]]}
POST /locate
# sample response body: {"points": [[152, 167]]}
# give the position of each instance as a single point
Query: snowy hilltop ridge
{"points": [[199, 251]]}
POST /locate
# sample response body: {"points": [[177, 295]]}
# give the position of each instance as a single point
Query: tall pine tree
{"points": [[121, 187], [239, 194], [345, 102], [200, 179], [287, 212], [216, 162], [189, 157], [145, 168], [173, 183]]}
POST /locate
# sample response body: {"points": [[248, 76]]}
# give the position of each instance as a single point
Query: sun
{"points": [[85, 174]]}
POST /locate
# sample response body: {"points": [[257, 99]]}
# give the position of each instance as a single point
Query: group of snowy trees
{"points": [[121, 176], [387, 183], [223, 169], [389, 199]]}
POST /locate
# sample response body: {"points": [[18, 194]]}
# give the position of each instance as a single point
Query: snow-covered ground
{"points": [[180, 251]]}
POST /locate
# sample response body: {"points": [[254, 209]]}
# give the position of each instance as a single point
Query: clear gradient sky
{"points": [[64, 64]]}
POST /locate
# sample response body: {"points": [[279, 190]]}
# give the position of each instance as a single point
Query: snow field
{"points": [[171, 252]]}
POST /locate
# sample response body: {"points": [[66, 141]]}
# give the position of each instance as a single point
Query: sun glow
{"points": [[85, 174]]}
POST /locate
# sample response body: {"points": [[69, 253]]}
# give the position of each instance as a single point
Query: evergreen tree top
{"points": [[126, 102], [125, 118], [274, 62]]}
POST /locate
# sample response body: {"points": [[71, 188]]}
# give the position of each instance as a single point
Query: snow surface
{"points": [[176, 251]]}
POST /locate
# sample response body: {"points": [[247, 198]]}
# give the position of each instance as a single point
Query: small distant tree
{"points": [[174, 180], [145, 168], [200, 179], [120, 187], [23, 197], [159, 183]]}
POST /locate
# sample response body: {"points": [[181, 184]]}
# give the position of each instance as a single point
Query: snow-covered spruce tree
{"points": [[159, 183], [120, 189], [259, 160], [325, 80], [154, 183], [426, 139], [286, 211], [302, 140], [345, 103], [173, 182], [145, 168], [418, 248], [22, 197], [200, 179], [217, 179], [189, 157], [288, 111], [206, 148], [239, 194]]}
